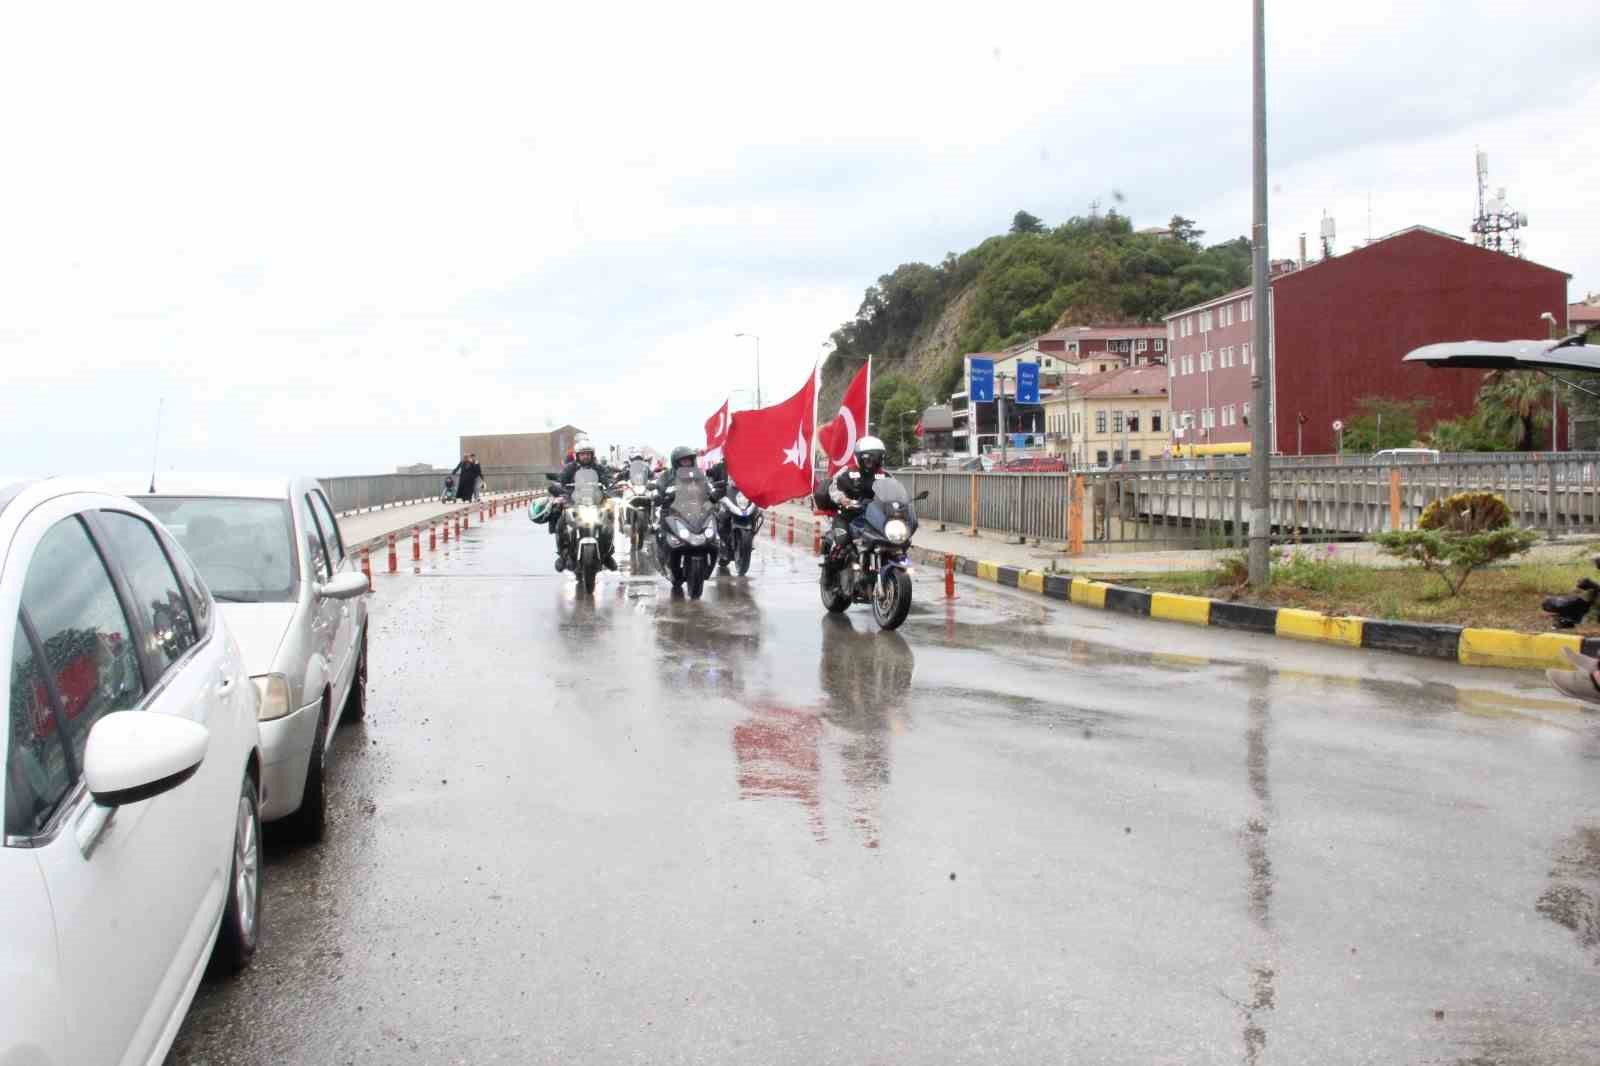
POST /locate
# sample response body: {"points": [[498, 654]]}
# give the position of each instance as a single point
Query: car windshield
{"points": [[244, 548], [586, 487]]}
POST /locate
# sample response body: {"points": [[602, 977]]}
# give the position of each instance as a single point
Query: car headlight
{"points": [[274, 692], [897, 531]]}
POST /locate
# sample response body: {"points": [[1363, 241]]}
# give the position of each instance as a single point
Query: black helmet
{"points": [[679, 454], [869, 454]]}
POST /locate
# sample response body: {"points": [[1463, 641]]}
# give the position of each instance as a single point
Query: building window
{"points": [[1141, 346], [1188, 325], [1172, 331], [1247, 411], [1099, 421], [1246, 307], [1205, 362], [1161, 345], [1100, 458], [1205, 321], [1245, 349], [1155, 421], [1208, 418], [1116, 421], [1133, 456], [1133, 421]]}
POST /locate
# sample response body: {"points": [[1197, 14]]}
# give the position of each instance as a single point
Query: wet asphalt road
{"points": [[644, 829]]}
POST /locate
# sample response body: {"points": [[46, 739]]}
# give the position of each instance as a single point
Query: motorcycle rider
{"points": [[850, 492], [583, 458], [683, 467]]}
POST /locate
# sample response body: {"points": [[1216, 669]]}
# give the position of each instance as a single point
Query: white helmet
{"points": [[869, 453], [582, 444]]}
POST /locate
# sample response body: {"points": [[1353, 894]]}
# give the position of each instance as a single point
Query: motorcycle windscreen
{"points": [[639, 473], [586, 488], [692, 502], [890, 500]]}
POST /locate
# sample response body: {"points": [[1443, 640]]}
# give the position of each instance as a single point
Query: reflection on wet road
{"points": [[643, 828]]}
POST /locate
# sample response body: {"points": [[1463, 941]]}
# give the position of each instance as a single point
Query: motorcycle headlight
{"points": [[897, 531], [697, 539], [274, 692], [588, 514]]}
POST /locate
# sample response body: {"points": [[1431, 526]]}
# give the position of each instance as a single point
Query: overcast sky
{"points": [[334, 238]]}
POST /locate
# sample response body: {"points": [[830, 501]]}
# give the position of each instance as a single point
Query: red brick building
{"points": [[1339, 328], [1135, 345]]}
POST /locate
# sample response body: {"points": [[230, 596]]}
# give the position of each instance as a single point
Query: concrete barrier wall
{"points": [[363, 492]]}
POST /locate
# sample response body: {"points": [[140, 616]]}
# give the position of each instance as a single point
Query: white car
{"points": [[271, 551], [131, 782]]}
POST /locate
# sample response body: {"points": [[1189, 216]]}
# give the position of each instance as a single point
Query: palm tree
{"points": [[1515, 402]]}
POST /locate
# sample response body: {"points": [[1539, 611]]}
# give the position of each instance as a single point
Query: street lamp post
{"points": [[1260, 311], [757, 339]]}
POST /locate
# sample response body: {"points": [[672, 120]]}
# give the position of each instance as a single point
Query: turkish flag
{"points": [[716, 435], [918, 431], [838, 438], [769, 450]]}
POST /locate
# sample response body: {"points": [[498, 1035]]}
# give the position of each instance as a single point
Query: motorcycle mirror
{"points": [[923, 495], [552, 477]]}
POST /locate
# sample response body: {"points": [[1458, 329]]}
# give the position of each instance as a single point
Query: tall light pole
{"points": [[1261, 378], [757, 339]]}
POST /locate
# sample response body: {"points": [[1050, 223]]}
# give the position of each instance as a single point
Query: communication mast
{"points": [[1327, 235], [1497, 226]]}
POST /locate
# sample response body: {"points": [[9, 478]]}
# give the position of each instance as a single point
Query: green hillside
{"points": [[920, 320]]}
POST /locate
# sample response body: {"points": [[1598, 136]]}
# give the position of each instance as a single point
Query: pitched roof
{"points": [[1129, 381], [1583, 313], [1301, 272], [1096, 333]]}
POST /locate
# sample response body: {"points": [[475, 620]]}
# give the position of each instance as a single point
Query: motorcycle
{"points": [[686, 536], [638, 505], [738, 522], [584, 533], [876, 569]]}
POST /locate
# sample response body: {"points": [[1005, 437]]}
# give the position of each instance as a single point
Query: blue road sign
{"points": [[1027, 382], [980, 381]]}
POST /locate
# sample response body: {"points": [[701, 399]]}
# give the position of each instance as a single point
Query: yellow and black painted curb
{"points": [[1462, 644]]}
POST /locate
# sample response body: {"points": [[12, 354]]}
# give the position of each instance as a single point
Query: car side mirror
{"points": [[133, 755], [345, 586], [923, 495]]}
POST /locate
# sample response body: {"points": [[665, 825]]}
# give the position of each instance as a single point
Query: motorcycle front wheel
{"points": [[891, 599], [833, 598], [742, 549], [695, 571], [588, 567]]}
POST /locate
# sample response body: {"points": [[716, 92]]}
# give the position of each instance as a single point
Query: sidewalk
{"points": [[1053, 558], [377, 524]]}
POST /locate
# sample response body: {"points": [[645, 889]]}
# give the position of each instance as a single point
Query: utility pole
{"points": [[1000, 413], [1261, 379]]}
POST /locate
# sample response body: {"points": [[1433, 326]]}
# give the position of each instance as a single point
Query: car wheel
{"points": [[241, 916], [355, 704], [309, 822]]}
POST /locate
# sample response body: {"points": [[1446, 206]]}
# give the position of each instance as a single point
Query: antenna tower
{"points": [[1496, 226]]}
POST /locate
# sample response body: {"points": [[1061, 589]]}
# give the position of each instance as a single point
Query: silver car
{"points": [[272, 554]]}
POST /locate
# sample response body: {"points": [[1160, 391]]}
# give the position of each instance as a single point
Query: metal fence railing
{"points": [[364, 492], [1210, 507]]}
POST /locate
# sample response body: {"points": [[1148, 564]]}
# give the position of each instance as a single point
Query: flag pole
{"points": [[868, 419]]}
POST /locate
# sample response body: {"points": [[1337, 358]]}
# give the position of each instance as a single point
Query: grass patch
{"points": [[1499, 597]]}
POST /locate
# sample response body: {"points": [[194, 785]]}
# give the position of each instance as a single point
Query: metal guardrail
{"points": [[1209, 507], [364, 492]]}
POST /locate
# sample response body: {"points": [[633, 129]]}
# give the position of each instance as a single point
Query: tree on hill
{"points": [[1022, 222]]}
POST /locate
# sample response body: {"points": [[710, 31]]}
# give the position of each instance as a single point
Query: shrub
{"points": [[1459, 534], [1466, 512]]}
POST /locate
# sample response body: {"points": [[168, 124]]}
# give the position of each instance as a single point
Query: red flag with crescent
{"points": [[769, 450], [716, 434], [838, 438]]}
